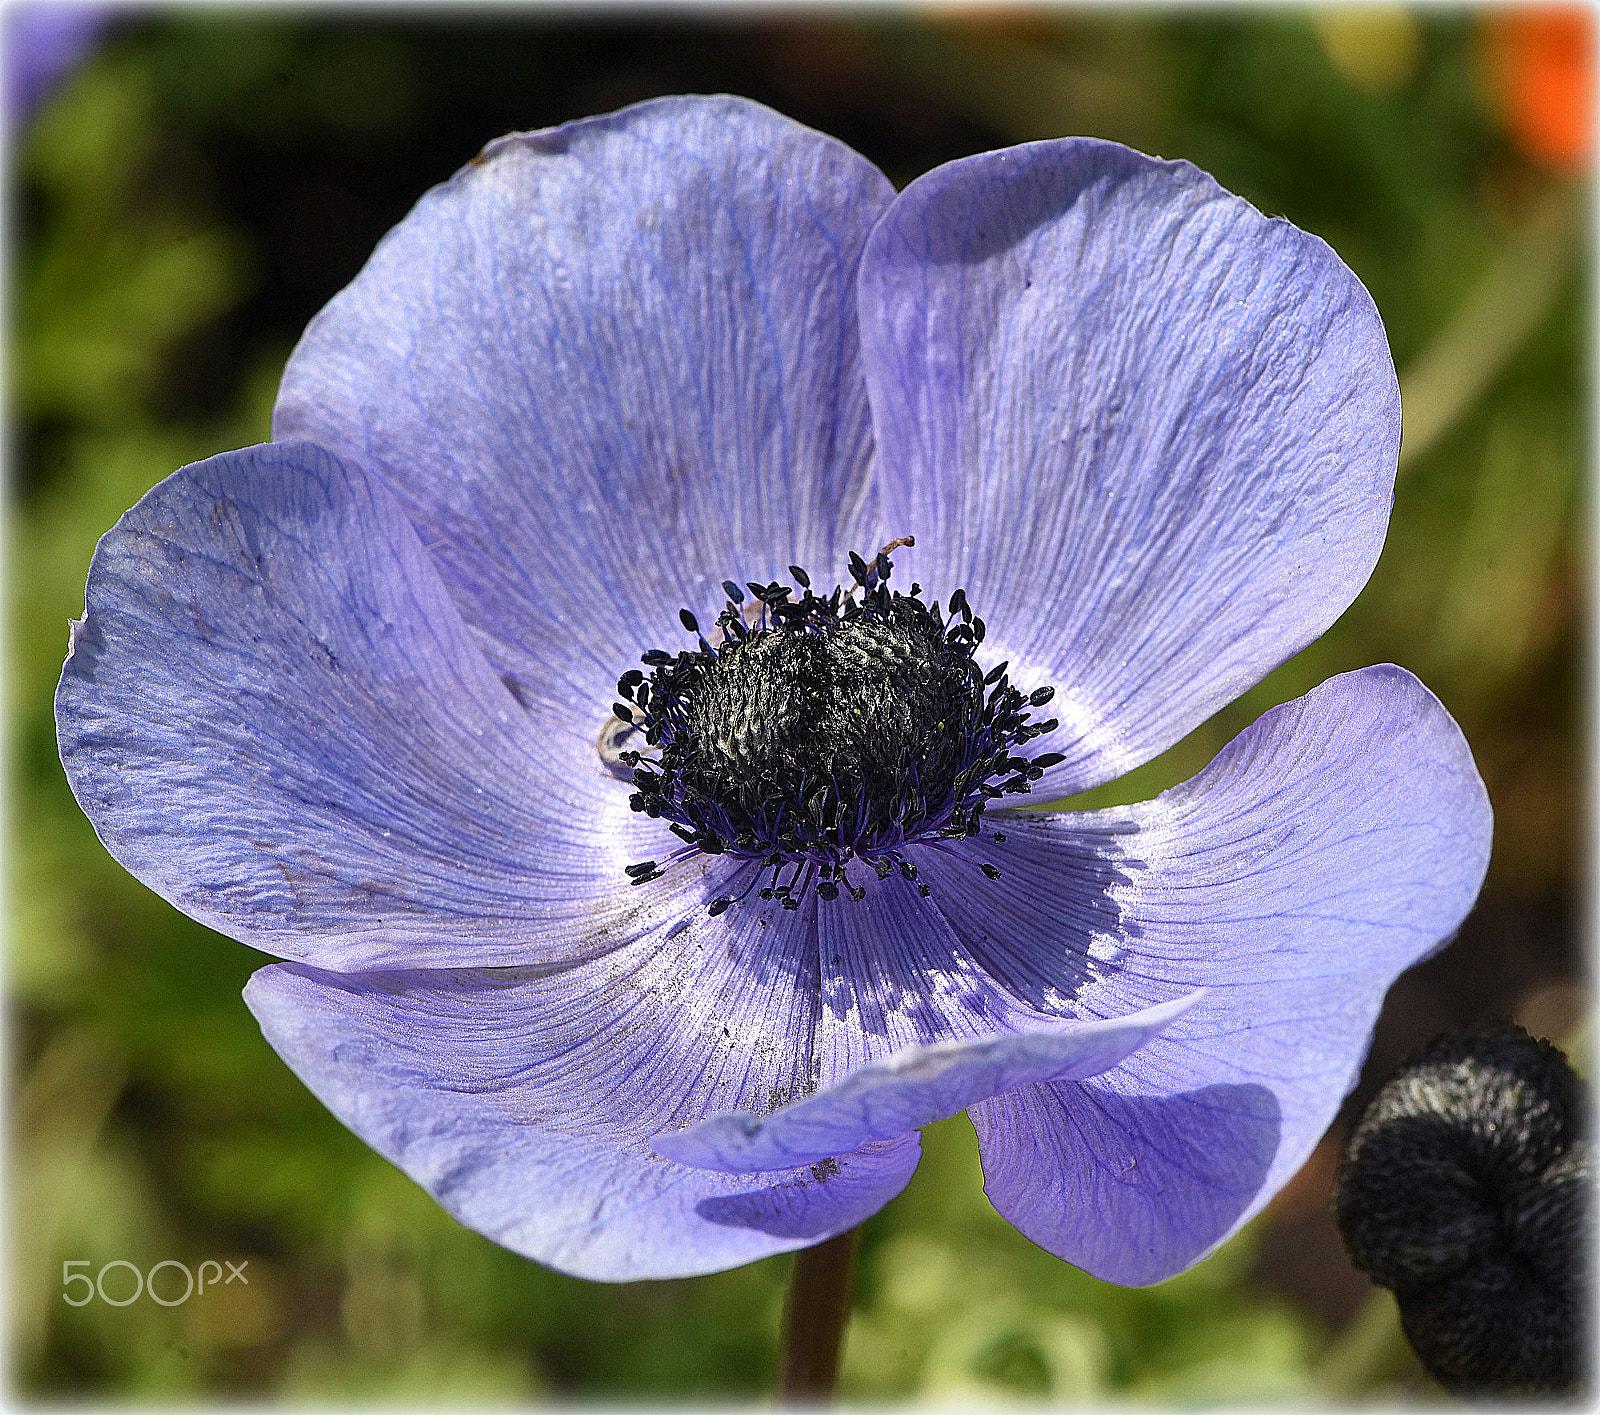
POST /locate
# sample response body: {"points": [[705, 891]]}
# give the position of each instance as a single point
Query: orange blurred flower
{"points": [[1540, 63]]}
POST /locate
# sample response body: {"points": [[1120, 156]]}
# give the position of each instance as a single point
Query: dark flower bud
{"points": [[1465, 1189]]}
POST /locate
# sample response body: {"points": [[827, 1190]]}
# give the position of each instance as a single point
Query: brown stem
{"points": [[813, 1325]]}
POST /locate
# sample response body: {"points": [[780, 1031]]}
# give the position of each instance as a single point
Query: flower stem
{"points": [[813, 1325]]}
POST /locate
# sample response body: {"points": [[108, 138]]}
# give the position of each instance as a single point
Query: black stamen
{"points": [[826, 729]]}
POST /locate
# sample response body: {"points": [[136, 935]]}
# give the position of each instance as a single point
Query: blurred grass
{"points": [[204, 183]]}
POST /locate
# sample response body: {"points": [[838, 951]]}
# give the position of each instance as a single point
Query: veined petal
{"points": [[1336, 842], [606, 367], [275, 717], [1151, 433], [910, 1089], [523, 1099]]}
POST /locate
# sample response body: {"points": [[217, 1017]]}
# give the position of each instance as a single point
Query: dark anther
{"points": [[1040, 696], [990, 870], [999, 835], [718, 906], [820, 729]]}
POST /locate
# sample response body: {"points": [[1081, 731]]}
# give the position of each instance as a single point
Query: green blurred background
{"points": [[192, 194]]}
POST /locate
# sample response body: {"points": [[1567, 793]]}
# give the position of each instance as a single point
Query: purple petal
{"points": [[44, 43], [908, 1090], [1336, 842], [605, 368], [276, 719], [1152, 433], [523, 1099]]}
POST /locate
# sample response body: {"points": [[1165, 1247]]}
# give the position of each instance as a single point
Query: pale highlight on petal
{"points": [[908, 1090]]}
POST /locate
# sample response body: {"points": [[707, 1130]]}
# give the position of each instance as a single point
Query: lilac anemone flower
{"points": [[649, 865]]}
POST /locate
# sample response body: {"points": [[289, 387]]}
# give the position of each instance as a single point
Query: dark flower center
{"points": [[822, 730]]}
